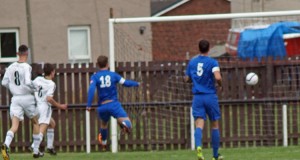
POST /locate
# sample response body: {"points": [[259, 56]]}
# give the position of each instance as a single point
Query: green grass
{"points": [[262, 153]]}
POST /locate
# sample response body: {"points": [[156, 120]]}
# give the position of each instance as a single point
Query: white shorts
{"points": [[45, 113], [23, 104]]}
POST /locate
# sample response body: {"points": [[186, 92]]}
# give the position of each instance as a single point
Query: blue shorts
{"points": [[206, 104], [114, 109]]}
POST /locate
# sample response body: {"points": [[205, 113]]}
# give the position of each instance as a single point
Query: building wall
{"points": [[179, 40], [13, 16], [51, 19], [238, 6]]}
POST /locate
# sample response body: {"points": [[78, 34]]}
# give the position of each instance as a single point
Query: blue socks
{"points": [[198, 137], [215, 141], [127, 123], [104, 133]]}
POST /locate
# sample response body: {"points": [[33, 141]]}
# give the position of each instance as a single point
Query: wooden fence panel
{"points": [[94, 130], [57, 131], [235, 127], [71, 129], [242, 124], [279, 124], [161, 140], [227, 123], [79, 131], [166, 126]]}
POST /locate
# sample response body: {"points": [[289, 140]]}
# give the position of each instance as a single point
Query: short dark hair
{"points": [[48, 68], [203, 46], [102, 61], [23, 48]]}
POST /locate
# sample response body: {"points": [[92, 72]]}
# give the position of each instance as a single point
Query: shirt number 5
{"points": [[200, 69]]}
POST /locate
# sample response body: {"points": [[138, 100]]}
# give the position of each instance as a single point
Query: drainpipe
{"points": [[29, 30]]}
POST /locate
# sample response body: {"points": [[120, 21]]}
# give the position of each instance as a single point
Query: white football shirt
{"points": [[44, 88], [17, 79]]}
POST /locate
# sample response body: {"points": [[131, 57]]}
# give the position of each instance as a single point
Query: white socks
{"points": [[50, 138], [104, 142], [9, 138], [37, 139]]}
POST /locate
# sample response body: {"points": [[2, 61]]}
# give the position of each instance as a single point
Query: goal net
{"points": [[156, 50]]}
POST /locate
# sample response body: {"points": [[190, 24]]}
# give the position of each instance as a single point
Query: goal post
{"points": [[207, 17]]}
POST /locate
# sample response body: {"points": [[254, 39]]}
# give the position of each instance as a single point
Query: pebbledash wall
{"points": [[238, 6], [50, 21]]}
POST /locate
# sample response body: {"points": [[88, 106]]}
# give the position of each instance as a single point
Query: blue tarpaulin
{"points": [[258, 43]]}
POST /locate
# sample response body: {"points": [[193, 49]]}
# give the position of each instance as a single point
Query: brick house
{"points": [[179, 40]]}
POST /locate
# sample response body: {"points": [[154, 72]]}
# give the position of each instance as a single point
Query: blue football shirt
{"points": [[106, 83], [201, 71]]}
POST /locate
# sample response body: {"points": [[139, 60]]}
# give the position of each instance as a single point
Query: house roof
{"points": [[160, 7]]}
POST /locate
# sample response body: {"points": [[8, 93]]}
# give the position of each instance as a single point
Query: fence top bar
{"points": [[222, 102], [204, 17]]}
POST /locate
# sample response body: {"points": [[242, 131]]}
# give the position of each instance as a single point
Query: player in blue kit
{"points": [[202, 71], [108, 105]]}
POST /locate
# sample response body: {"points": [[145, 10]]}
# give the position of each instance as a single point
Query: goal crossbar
{"points": [[204, 17]]}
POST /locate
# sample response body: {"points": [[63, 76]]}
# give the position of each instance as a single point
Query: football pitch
{"points": [[261, 153]]}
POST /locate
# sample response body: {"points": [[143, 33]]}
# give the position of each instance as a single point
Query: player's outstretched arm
{"points": [[129, 83], [56, 104]]}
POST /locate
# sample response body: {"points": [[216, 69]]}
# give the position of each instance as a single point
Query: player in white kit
{"points": [[44, 97], [17, 79]]}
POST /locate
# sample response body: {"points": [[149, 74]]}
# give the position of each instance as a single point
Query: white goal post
{"points": [[112, 22]]}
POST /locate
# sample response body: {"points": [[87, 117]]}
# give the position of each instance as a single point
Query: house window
{"points": [[79, 44], [9, 42]]}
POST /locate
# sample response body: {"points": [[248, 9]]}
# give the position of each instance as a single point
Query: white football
{"points": [[251, 78]]}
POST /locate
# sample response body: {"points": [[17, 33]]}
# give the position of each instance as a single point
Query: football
{"points": [[251, 78]]}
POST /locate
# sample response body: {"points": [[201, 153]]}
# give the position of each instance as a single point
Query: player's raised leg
{"points": [[120, 114], [125, 124]]}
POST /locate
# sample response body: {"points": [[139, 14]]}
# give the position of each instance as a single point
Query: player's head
{"points": [[203, 46], [102, 62], [49, 70], [23, 50]]}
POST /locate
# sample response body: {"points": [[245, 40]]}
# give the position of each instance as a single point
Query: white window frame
{"points": [[86, 58], [13, 59]]}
